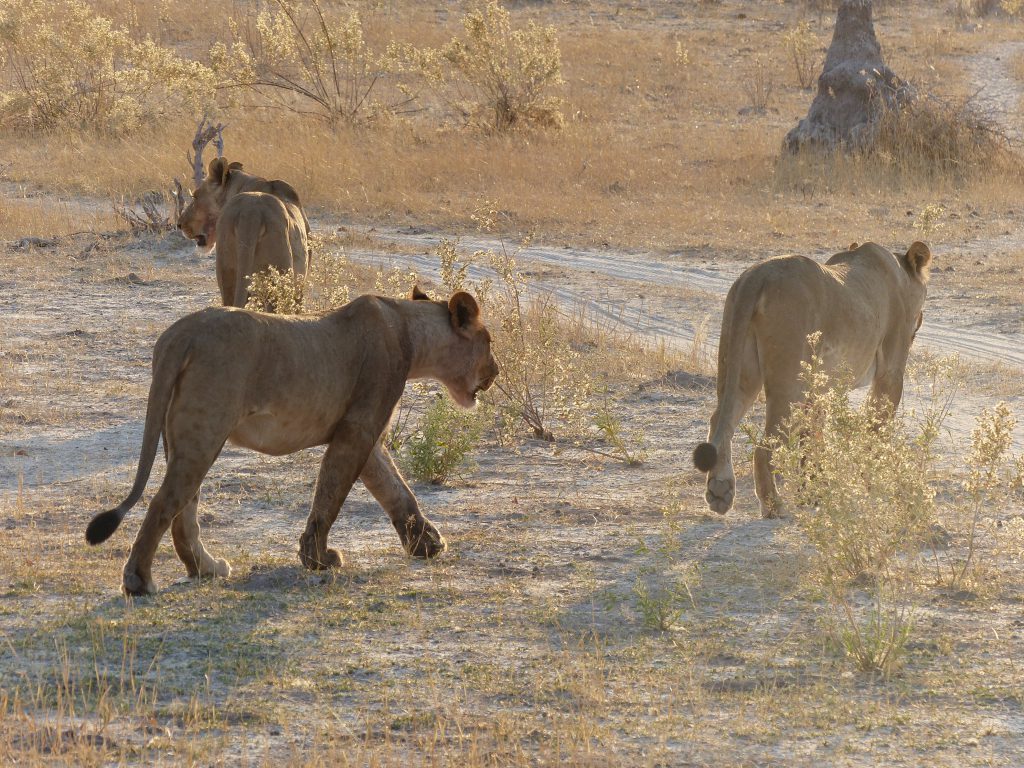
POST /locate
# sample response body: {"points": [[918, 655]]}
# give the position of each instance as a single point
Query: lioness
{"points": [[278, 384], [255, 224], [866, 302]]}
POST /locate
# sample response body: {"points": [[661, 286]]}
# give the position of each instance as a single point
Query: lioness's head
{"points": [[199, 219], [466, 366]]}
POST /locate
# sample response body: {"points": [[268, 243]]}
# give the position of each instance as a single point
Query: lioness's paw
{"points": [[222, 568], [773, 510], [720, 494], [428, 544], [316, 561], [420, 538], [136, 586]]}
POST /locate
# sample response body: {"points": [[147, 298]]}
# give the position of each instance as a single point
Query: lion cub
{"points": [[279, 384], [253, 222]]}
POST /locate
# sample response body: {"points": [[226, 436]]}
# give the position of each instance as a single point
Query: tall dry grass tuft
{"points": [[931, 138], [944, 143]]}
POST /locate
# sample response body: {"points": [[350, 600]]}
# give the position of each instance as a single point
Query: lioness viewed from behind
{"points": [[867, 304], [255, 223], [279, 384]]}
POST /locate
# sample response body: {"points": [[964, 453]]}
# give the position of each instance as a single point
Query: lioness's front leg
{"points": [[381, 478], [188, 545], [344, 459]]}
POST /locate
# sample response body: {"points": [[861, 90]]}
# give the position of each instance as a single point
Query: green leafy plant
{"points": [[664, 590], [629, 448], [443, 439]]}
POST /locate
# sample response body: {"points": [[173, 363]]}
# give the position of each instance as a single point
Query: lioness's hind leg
{"points": [[721, 481], [138, 570], [188, 545], [777, 410], [381, 477], [185, 473]]}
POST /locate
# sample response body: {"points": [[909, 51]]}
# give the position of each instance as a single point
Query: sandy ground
{"points": [[551, 550]]}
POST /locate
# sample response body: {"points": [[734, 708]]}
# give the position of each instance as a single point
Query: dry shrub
{"points": [[969, 8], [802, 46], [993, 476], [497, 76], [758, 84], [274, 291], [862, 483], [298, 56], [542, 383], [865, 475], [68, 68], [328, 284]]}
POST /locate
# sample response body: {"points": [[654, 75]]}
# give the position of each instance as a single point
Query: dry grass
{"points": [[654, 155], [46, 218]]}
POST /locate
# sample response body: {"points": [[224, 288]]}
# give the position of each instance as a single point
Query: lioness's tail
{"points": [[169, 357], [739, 311]]}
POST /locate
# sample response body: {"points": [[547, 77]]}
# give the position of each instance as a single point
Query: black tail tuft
{"points": [[102, 526], [705, 456]]}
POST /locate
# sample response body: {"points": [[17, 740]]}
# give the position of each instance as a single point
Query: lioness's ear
{"points": [[418, 295], [917, 259], [235, 166], [464, 310], [219, 168], [853, 246]]}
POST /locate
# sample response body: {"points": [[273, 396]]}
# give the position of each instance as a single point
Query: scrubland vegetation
{"points": [[589, 611]]}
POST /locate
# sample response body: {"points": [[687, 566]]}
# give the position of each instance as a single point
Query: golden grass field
{"points": [[590, 611]]}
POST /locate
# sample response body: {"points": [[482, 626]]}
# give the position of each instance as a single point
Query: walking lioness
{"points": [[279, 384], [866, 303], [254, 222]]}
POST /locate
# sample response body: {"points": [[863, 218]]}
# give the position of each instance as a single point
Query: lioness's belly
{"points": [[277, 435]]}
